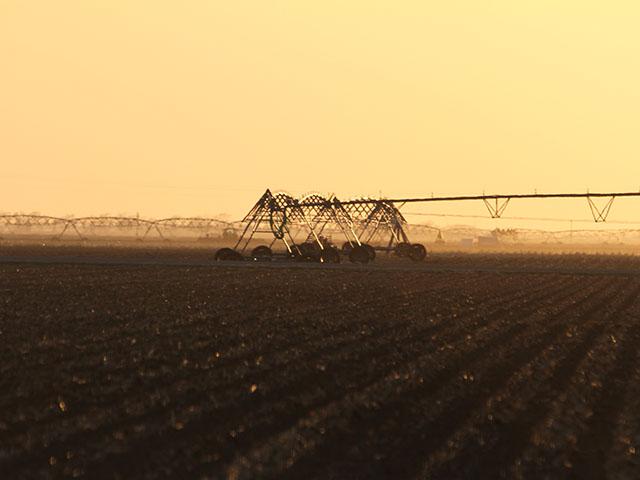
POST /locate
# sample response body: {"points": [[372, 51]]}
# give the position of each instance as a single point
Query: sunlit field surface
{"points": [[466, 366]]}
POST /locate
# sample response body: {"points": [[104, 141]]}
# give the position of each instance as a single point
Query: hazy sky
{"points": [[194, 108]]}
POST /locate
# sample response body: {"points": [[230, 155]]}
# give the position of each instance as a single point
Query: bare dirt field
{"points": [[154, 364]]}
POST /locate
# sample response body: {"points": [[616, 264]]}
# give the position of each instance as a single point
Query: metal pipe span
{"points": [[492, 197]]}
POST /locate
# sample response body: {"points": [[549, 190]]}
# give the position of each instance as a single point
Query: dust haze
{"points": [[319, 240]]}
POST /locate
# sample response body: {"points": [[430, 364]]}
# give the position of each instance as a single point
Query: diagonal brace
{"points": [[496, 209], [600, 214]]}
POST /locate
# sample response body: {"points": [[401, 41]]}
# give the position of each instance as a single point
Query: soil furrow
{"points": [[292, 412], [431, 383], [265, 371], [413, 443], [502, 443], [110, 426]]}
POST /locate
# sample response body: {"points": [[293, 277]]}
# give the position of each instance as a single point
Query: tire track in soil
{"points": [[309, 425], [412, 444], [550, 286], [501, 445]]}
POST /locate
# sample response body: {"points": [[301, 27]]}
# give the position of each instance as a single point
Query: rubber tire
{"points": [[262, 253], [227, 255], [310, 252], [330, 255], [370, 250], [418, 252], [403, 249], [359, 254], [296, 253], [346, 248]]}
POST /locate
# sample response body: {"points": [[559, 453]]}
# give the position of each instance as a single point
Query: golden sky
{"points": [[194, 108]]}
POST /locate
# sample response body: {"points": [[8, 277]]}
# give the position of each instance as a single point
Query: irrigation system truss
{"points": [[310, 227], [368, 225], [81, 226], [496, 204]]}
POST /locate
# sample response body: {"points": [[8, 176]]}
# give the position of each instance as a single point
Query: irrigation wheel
{"points": [[307, 252], [277, 222], [417, 252], [330, 255], [370, 250], [227, 255], [262, 253], [403, 249], [359, 254]]}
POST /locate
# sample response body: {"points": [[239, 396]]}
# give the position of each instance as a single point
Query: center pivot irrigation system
{"points": [[367, 225]]}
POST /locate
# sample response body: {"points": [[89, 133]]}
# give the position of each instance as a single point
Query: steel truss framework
{"points": [[496, 204], [143, 227], [313, 214], [366, 220], [307, 220], [301, 224]]}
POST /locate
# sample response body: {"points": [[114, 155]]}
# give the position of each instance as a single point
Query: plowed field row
{"points": [[274, 373]]}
